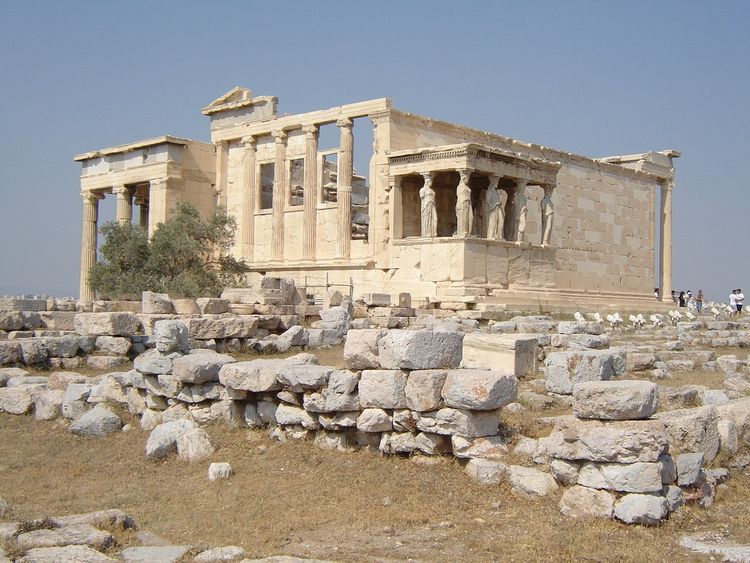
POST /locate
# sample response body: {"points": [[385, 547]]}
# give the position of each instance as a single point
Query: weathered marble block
{"points": [[615, 400], [479, 389], [639, 477], [462, 422], [383, 388], [201, 366], [511, 353], [420, 349], [565, 369], [106, 324]]}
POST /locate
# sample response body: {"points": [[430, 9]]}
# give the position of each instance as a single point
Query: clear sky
{"points": [[595, 78]]}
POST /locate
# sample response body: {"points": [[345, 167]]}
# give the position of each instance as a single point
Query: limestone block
{"points": [[377, 299], [478, 389], [339, 421], [185, 307], [332, 298], [19, 398], [218, 554], [383, 388], [640, 361], [113, 345], [200, 366], [510, 353], [301, 378], [10, 352], [575, 327], [219, 470], [255, 375], [267, 411], [327, 400], [97, 422], [66, 553], [62, 346], [448, 421], [713, 397], [323, 337], [163, 439], [215, 326], [397, 443], [75, 534], [615, 400], [688, 468], [490, 447], [361, 348], [485, 471], [152, 554], [290, 415], [424, 389], [529, 482], [692, 431], [582, 502], [580, 341], [194, 445], [296, 336], [674, 496], [156, 303], [563, 370], [48, 404], [152, 362], [106, 324], [616, 441], [432, 444], [635, 508], [171, 336], [11, 320], [565, 472], [404, 349], [33, 351], [8, 374], [212, 305], [639, 477]]}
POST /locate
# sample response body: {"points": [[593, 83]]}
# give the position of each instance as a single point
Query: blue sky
{"points": [[594, 78]]}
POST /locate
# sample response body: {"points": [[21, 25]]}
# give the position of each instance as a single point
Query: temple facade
{"points": [[444, 212]]}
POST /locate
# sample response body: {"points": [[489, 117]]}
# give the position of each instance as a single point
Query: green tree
{"points": [[187, 256]]}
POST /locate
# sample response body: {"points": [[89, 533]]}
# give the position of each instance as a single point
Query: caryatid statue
{"points": [[495, 210], [429, 212], [548, 214], [464, 212], [520, 206]]}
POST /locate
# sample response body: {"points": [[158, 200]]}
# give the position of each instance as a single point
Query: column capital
{"points": [[91, 197], [311, 130], [464, 173], [344, 122], [158, 183], [494, 179], [249, 141], [120, 189], [279, 135], [221, 144]]}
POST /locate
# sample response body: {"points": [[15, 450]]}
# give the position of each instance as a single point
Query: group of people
{"points": [[687, 299], [736, 300]]}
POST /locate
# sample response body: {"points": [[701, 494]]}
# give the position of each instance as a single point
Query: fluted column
{"points": [[142, 203], [222, 149], [344, 188], [88, 242], [124, 204], [157, 204], [665, 242], [247, 229], [310, 203], [279, 193]]}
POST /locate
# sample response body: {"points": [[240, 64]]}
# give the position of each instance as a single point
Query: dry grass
{"points": [[298, 500]]}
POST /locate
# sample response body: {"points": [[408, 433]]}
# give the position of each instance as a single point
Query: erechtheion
{"points": [[445, 212]]}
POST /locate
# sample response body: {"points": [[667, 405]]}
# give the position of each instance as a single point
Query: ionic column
{"points": [[142, 203], [157, 204], [124, 207], [248, 199], [344, 188], [310, 203], [279, 192], [88, 242], [222, 149], [665, 240]]}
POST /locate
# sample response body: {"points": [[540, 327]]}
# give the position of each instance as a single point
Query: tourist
{"points": [[733, 302], [699, 300], [739, 299], [656, 293], [674, 296], [681, 299]]}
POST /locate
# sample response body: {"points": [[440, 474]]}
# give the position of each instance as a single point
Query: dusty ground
{"points": [[296, 499]]}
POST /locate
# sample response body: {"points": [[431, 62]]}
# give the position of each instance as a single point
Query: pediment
{"points": [[235, 98]]}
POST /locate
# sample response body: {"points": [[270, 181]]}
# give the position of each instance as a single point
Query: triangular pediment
{"points": [[235, 98]]}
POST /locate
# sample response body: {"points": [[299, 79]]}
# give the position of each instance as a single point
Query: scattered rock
{"points": [[583, 502], [97, 422], [219, 470]]}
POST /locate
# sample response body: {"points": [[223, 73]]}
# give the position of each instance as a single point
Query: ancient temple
{"points": [[444, 212]]}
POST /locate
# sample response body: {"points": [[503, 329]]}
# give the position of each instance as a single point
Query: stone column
{"points": [[142, 203], [344, 188], [157, 204], [665, 240], [88, 242], [279, 193], [248, 200], [124, 208], [310, 204], [222, 150]]}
